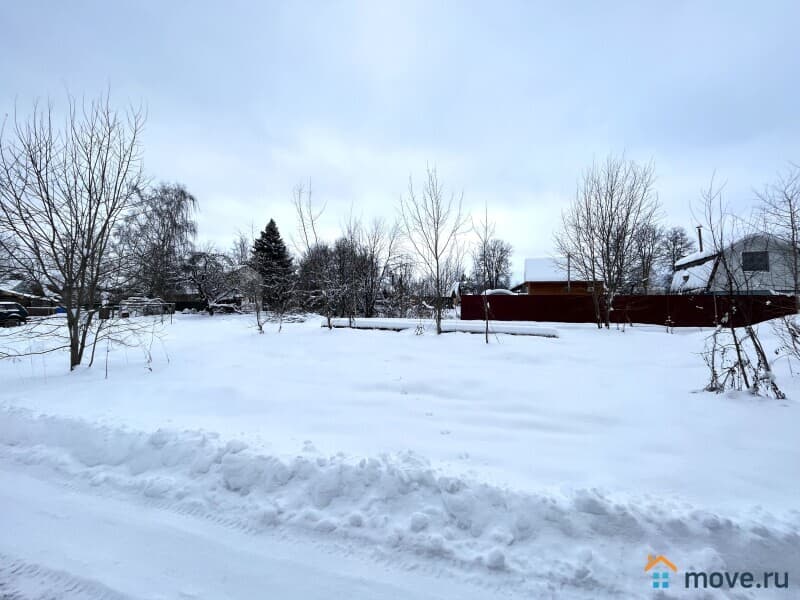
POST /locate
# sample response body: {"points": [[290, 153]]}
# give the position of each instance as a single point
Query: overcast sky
{"points": [[510, 100]]}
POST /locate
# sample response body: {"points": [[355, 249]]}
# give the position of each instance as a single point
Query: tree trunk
{"points": [[486, 315]]}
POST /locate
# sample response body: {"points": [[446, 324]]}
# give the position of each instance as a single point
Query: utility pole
{"points": [[569, 274]]}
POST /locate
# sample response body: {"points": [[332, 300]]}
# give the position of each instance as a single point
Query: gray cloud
{"points": [[510, 100]]}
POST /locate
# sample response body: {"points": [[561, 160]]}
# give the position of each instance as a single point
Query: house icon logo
{"points": [[660, 566]]}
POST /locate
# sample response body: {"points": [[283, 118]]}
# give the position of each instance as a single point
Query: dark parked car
{"points": [[12, 314]]}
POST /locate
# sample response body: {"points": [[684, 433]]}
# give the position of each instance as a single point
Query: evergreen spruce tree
{"points": [[273, 263]]}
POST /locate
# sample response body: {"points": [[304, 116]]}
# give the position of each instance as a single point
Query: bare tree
{"points": [[8, 247], [241, 248], [246, 278], [308, 215], [211, 275], [491, 264], [319, 284], [780, 210], [485, 232], [63, 192], [674, 245], [379, 245], [614, 202], [433, 223], [156, 236], [252, 285], [729, 348], [646, 248], [365, 255], [318, 287], [578, 242], [402, 287]]}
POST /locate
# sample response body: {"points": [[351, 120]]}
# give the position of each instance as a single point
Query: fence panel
{"points": [[678, 311]]}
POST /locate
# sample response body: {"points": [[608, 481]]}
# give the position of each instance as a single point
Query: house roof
{"points": [[693, 272], [16, 287], [695, 257], [11, 285], [545, 269], [693, 277], [709, 253], [652, 561]]}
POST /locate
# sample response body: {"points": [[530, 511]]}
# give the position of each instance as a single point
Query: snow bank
{"points": [[447, 326], [399, 506]]}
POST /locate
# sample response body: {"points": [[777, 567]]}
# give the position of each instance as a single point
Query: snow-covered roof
{"points": [[545, 269], [695, 256], [692, 279], [11, 284], [16, 287]]}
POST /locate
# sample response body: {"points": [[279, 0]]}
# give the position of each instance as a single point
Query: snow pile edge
{"points": [[400, 505]]}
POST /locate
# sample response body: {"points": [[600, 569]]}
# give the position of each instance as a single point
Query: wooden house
{"points": [[553, 276]]}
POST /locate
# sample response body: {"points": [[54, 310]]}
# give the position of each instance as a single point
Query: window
{"points": [[755, 261], [661, 579]]}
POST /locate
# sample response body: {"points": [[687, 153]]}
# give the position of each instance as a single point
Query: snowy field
{"points": [[375, 464]]}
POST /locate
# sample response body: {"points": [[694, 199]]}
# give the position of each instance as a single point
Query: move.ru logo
{"points": [[659, 566]]}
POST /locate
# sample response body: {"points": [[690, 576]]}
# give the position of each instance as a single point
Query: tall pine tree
{"points": [[274, 264]]}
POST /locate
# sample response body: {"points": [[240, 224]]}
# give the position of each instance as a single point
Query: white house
{"points": [[759, 264]]}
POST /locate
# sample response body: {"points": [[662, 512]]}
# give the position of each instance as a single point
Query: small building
{"points": [[758, 264], [29, 294], [23, 291], [553, 276]]}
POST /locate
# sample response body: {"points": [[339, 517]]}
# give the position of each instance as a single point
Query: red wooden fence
{"points": [[679, 311]]}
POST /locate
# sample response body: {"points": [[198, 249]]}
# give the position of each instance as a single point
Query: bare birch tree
{"points": [[241, 248], [155, 237], [308, 215], [432, 223], [63, 192]]}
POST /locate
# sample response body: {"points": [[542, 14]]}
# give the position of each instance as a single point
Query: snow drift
{"points": [[399, 506]]}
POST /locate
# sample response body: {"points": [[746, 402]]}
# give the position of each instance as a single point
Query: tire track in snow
{"points": [[399, 508], [20, 580]]}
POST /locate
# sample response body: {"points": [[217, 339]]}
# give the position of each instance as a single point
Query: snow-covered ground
{"points": [[385, 464]]}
